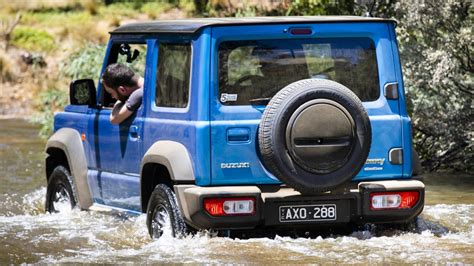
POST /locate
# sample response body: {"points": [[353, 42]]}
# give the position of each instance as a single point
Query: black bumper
{"points": [[352, 206]]}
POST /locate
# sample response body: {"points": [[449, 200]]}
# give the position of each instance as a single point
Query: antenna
{"points": [[369, 13]]}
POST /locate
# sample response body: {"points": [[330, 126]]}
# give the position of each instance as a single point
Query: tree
{"points": [[436, 47]]}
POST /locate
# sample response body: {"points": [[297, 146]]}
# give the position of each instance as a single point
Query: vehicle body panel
{"points": [[383, 113]]}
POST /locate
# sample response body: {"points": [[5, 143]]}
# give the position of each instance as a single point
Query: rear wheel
{"points": [[60, 196], [163, 213]]}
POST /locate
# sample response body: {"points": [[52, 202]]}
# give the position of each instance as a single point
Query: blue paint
{"points": [[213, 133]]}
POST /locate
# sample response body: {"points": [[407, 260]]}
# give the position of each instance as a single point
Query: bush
{"points": [[6, 70], [436, 44], [320, 7], [49, 101], [32, 39], [84, 63], [91, 6], [154, 9]]}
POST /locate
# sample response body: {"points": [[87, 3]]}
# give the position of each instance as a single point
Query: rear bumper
{"points": [[352, 205]]}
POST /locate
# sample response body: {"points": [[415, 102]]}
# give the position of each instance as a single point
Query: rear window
{"points": [[250, 71]]}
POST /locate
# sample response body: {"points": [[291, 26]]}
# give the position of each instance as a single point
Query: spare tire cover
{"points": [[314, 135]]}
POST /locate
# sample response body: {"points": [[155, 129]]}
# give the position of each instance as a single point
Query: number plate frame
{"points": [[309, 211]]}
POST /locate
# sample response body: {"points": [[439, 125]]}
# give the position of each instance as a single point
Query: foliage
{"points": [[85, 62], [49, 101], [153, 9], [125, 9], [40, 5], [32, 39], [436, 46], [91, 6], [319, 7], [6, 71]]}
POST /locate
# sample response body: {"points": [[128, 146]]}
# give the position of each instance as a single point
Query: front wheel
{"points": [[164, 214], [59, 193]]}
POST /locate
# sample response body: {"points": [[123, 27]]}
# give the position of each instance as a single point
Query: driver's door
{"points": [[116, 149]]}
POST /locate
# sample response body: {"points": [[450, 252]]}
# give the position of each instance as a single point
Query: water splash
{"points": [[92, 237]]}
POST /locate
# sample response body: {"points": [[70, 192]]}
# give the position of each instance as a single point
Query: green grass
{"points": [[54, 18], [32, 39], [128, 10]]}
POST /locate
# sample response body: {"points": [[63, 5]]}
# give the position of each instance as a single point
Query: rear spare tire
{"points": [[314, 135]]}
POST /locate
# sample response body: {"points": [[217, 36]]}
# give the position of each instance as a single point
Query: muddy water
{"points": [[28, 235]]}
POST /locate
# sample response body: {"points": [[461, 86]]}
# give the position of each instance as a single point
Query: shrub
{"points": [[436, 44], [320, 7], [126, 9], [32, 39], [91, 6], [84, 63], [154, 9], [6, 70], [49, 101]]}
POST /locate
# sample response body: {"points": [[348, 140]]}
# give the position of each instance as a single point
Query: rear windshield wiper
{"points": [[260, 101]]}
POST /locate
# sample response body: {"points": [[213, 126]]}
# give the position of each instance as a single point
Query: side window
{"points": [[173, 75], [132, 55]]}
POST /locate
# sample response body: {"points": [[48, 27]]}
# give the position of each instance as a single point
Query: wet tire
{"points": [[59, 192], [162, 211], [314, 135]]}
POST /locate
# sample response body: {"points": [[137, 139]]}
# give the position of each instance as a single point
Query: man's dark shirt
{"points": [[134, 100]]}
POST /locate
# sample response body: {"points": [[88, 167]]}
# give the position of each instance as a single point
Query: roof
{"points": [[189, 26]]}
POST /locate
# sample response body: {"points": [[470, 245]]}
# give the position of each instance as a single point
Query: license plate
{"points": [[307, 213]]}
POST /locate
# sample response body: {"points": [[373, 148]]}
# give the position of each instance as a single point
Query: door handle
{"points": [[134, 131]]}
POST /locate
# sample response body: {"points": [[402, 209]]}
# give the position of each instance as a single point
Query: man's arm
{"points": [[119, 113]]}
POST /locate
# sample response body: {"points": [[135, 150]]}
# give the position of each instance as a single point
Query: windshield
{"points": [[252, 71]]}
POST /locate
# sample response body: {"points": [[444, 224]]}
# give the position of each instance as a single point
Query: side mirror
{"points": [[83, 92]]}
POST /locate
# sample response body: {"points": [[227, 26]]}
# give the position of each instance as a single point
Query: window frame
{"points": [[154, 106], [112, 57]]}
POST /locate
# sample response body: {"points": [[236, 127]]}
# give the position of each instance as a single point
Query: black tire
{"points": [[285, 117], [163, 208], [60, 190]]}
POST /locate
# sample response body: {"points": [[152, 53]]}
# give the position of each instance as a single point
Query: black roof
{"points": [[193, 25]]}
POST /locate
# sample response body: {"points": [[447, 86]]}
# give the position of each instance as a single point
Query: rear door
{"points": [[357, 55]]}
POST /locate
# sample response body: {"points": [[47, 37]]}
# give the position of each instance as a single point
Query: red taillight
{"points": [[229, 206], [393, 200]]}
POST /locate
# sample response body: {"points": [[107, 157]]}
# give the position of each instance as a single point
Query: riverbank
{"points": [[45, 38]]}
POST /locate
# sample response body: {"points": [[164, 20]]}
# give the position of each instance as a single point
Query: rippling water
{"points": [[28, 235]]}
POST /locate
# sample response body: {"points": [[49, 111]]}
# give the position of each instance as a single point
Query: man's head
{"points": [[120, 81]]}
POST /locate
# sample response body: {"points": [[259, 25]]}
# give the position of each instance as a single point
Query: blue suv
{"points": [[270, 123]]}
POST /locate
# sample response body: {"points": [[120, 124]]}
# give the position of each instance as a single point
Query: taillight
{"points": [[229, 206], [393, 200]]}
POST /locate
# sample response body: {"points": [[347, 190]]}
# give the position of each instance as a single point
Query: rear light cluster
{"points": [[230, 206], [393, 200]]}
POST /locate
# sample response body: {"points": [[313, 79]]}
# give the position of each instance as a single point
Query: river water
{"points": [[28, 235]]}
